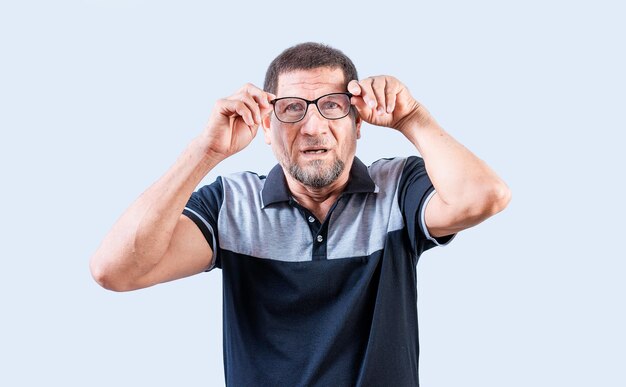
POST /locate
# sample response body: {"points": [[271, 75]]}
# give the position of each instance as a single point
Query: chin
{"points": [[315, 174]]}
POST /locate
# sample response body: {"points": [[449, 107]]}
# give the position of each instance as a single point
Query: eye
{"points": [[293, 107], [334, 103], [330, 105]]}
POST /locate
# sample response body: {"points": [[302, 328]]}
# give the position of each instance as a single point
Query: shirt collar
{"points": [[276, 190]]}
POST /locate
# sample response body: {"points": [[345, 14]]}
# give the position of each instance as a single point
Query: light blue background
{"points": [[97, 99]]}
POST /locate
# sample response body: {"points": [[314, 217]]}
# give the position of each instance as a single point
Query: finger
{"points": [[260, 96], [354, 88], [378, 87], [359, 103], [230, 108], [391, 92], [367, 93], [244, 112], [253, 130], [253, 106], [263, 102]]}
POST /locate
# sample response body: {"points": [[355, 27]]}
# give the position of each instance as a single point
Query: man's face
{"points": [[314, 151]]}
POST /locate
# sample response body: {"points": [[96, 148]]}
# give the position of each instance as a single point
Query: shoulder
{"points": [[240, 183], [387, 171], [243, 190], [243, 181]]}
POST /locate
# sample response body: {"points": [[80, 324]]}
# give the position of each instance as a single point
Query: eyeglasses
{"points": [[293, 109]]}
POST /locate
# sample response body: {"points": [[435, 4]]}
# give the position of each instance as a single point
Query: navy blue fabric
{"points": [[323, 322], [414, 188], [276, 189], [207, 202]]}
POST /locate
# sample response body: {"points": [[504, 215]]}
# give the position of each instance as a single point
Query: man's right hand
{"points": [[234, 121], [152, 242]]}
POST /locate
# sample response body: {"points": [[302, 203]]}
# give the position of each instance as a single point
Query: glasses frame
{"points": [[311, 102]]}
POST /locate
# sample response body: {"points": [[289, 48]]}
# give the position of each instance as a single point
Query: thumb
{"points": [[354, 88], [267, 107]]}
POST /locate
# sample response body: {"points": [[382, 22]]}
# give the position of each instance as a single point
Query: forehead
{"points": [[310, 84]]}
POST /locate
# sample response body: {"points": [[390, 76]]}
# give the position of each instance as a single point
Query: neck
{"points": [[303, 193], [318, 200]]}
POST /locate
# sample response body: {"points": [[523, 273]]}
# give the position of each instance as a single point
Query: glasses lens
{"points": [[334, 106], [290, 109]]}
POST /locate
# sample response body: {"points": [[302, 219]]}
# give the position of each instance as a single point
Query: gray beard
{"points": [[319, 177]]}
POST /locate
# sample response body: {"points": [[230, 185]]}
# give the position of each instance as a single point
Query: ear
{"points": [[267, 131], [357, 122]]}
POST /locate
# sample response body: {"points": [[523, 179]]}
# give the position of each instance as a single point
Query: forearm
{"points": [[461, 179], [140, 238]]}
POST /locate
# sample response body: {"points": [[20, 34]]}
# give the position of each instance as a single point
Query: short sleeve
{"points": [[414, 192], [203, 208]]}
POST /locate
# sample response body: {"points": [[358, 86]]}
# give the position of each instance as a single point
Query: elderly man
{"points": [[318, 258]]}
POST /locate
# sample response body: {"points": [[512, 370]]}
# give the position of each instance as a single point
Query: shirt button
{"points": [[320, 238], [311, 219]]}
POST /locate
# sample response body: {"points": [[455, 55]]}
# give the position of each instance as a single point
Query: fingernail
{"points": [[380, 110], [389, 109], [371, 103]]}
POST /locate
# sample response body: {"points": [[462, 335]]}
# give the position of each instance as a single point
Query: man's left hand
{"points": [[384, 101]]}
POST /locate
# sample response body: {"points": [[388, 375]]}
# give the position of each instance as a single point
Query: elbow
{"points": [[495, 198], [484, 202], [106, 278]]}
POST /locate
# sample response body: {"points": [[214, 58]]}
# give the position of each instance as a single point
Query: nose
{"points": [[313, 124]]}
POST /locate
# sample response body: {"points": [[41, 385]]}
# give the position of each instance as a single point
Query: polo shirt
{"points": [[319, 302]]}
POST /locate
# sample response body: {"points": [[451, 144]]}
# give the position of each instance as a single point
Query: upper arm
{"points": [[194, 244], [441, 219], [415, 193], [445, 219], [188, 253]]}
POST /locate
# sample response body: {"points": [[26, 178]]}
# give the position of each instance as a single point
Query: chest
{"points": [[355, 225]]}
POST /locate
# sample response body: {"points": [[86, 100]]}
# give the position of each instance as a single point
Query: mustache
{"points": [[321, 142]]}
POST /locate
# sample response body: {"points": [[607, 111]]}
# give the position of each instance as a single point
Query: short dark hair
{"points": [[307, 56]]}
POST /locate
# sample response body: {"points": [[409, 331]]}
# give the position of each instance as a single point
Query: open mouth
{"points": [[314, 151]]}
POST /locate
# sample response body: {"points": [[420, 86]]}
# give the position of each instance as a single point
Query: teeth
{"points": [[315, 151]]}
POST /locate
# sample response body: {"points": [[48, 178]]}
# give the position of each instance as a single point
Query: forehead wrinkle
{"points": [[307, 85], [311, 80]]}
